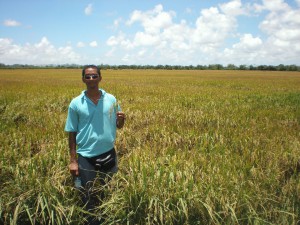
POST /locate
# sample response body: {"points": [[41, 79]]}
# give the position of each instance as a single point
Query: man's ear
{"points": [[83, 80]]}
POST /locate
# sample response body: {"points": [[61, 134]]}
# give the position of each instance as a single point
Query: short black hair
{"points": [[91, 66]]}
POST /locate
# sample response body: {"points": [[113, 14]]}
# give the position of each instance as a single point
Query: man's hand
{"points": [[120, 119], [74, 168]]}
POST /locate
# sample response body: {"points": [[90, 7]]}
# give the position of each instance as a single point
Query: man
{"points": [[93, 118]]}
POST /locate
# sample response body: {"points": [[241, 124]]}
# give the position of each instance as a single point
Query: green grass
{"points": [[198, 147]]}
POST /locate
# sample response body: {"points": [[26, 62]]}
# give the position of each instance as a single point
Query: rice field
{"points": [[198, 147]]}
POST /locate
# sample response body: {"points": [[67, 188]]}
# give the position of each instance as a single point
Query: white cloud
{"points": [[271, 5], [80, 44], [233, 8], [253, 50], [153, 20], [11, 23], [212, 27], [142, 52], [278, 23], [247, 51], [282, 25], [275, 5], [145, 39], [112, 41], [94, 44], [42, 52], [288, 34], [188, 10], [157, 36], [168, 42], [88, 10], [117, 22], [177, 32], [248, 43], [120, 40], [126, 58], [163, 35], [167, 39]]}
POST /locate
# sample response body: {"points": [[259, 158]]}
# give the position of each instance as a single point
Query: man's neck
{"points": [[93, 91]]}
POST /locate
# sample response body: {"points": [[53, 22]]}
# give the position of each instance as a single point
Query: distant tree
{"points": [[272, 68], [212, 66], [292, 68], [200, 67], [262, 67], [168, 67], [243, 67], [281, 67], [231, 67], [215, 67], [251, 67]]}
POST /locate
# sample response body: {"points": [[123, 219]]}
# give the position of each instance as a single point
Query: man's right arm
{"points": [[73, 156]]}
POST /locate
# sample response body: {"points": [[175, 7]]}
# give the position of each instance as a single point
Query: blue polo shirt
{"points": [[95, 124]]}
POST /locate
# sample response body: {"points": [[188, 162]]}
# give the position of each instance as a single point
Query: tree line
{"points": [[280, 67]]}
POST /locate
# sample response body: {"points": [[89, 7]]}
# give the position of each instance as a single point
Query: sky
{"points": [[150, 32]]}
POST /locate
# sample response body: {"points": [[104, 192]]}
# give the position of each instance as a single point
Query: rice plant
{"points": [[198, 147]]}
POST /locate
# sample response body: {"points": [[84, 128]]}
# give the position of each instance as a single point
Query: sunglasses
{"points": [[92, 76]]}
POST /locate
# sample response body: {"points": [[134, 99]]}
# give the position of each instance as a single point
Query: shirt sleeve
{"points": [[72, 120]]}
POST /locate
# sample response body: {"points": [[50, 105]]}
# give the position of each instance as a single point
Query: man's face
{"points": [[91, 78]]}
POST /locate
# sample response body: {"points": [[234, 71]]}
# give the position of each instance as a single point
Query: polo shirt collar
{"points": [[84, 96]]}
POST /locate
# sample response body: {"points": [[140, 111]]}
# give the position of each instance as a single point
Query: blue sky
{"points": [[150, 32]]}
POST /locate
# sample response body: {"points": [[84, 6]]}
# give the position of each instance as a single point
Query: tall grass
{"points": [[198, 147]]}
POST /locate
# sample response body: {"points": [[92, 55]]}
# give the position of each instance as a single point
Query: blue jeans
{"points": [[90, 174]]}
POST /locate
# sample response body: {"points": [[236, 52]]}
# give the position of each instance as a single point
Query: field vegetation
{"points": [[198, 147]]}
